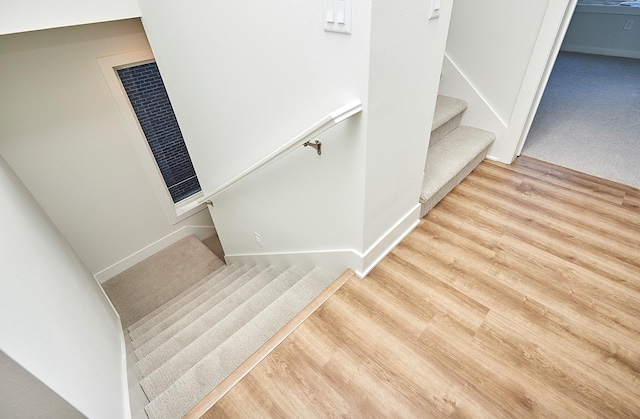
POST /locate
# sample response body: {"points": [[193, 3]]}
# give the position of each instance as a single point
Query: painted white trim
{"points": [[123, 358], [335, 261], [389, 240], [463, 83], [480, 113], [612, 52], [201, 232], [552, 30], [137, 399], [125, 376], [188, 207], [175, 213]]}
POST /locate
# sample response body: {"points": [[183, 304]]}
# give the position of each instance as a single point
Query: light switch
{"points": [[434, 11], [338, 16], [330, 13], [340, 11]]}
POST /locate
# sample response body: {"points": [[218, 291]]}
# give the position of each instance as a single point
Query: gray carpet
{"points": [[589, 117], [144, 287]]}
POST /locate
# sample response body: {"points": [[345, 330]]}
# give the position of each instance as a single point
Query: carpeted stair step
{"points": [[160, 349], [446, 117], [176, 299], [157, 279], [203, 302], [450, 161], [164, 319], [153, 318], [189, 388], [203, 343]]}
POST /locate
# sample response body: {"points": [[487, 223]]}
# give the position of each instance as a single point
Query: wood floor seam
{"points": [[518, 295]]}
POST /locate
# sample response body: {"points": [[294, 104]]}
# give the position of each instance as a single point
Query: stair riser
{"points": [[184, 310], [165, 375], [211, 370], [448, 187], [222, 296], [198, 326], [175, 300], [211, 282], [444, 130]]}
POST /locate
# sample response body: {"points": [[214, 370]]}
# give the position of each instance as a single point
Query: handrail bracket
{"points": [[330, 120], [317, 145]]}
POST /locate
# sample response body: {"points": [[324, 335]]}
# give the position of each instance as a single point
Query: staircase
{"points": [[454, 151], [187, 346], [190, 344]]}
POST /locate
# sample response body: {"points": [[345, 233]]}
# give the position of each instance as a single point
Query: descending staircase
{"points": [[190, 344], [186, 347], [454, 151]]}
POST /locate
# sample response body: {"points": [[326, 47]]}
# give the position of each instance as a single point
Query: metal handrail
{"points": [[301, 139]]}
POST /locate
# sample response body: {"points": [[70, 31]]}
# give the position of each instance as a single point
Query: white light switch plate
{"points": [[337, 16], [434, 10]]}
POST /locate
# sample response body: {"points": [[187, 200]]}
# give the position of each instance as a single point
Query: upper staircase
{"points": [[454, 151]]}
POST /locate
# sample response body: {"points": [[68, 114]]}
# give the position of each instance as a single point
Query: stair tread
{"points": [[181, 299], [175, 299], [446, 108], [199, 296], [200, 379], [162, 377], [167, 344], [450, 155]]}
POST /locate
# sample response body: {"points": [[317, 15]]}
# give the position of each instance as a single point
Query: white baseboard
{"points": [[201, 232], [126, 379], [388, 241], [612, 52], [336, 261]]}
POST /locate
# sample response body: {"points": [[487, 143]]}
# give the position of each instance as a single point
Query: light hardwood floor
{"points": [[517, 296]]}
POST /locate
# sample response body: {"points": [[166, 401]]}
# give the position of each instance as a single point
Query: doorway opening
{"points": [[589, 116]]}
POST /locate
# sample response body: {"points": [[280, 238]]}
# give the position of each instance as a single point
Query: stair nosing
{"points": [[202, 296], [205, 318], [175, 299], [147, 383], [192, 397], [433, 155], [459, 107]]}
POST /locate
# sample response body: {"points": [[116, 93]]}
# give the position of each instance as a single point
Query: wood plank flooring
{"points": [[517, 296]]}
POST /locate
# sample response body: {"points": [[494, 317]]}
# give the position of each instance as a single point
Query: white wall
{"points": [[600, 30], [22, 396], [55, 320], [501, 50], [62, 133], [244, 78], [406, 57], [492, 42], [22, 16]]}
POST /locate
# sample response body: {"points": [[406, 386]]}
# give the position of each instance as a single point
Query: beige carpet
{"points": [[144, 287]]}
